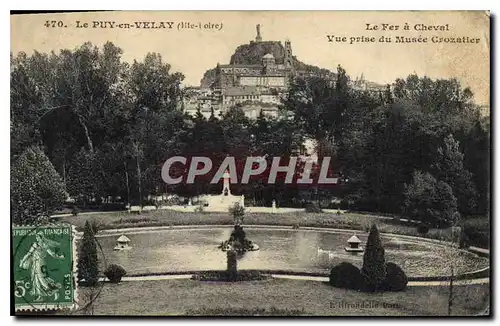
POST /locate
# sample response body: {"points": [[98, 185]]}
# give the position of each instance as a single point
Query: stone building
{"points": [[361, 84], [259, 83], [254, 87]]}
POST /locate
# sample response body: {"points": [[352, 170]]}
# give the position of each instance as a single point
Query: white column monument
{"points": [[225, 188]]}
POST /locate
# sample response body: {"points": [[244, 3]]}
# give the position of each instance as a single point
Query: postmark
{"points": [[44, 260]]}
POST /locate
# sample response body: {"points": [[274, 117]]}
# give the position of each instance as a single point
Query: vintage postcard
{"points": [[250, 163]]}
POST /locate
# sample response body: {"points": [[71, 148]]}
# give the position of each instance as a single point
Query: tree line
{"points": [[106, 126]]}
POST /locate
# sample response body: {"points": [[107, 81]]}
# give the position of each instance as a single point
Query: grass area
{"points": [[330, 220], [280, 297]]}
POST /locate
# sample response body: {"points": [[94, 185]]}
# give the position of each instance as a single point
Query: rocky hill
{"points": [[252, 54]]}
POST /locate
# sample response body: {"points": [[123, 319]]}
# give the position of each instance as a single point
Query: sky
{"points": [[193, 51]]}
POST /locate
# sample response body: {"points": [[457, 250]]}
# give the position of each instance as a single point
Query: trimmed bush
{"points": [[115, 273], [346, 276], [423, 228], [87, 258], [396, 279], [373, 270]]}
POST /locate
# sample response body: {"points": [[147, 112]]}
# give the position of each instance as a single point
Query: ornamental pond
{"points": [[284, 249]]}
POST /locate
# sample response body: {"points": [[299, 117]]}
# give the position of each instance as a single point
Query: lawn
{"points": [[280, 297], [167, 218]]}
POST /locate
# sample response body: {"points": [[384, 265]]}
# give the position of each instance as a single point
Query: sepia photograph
{"points": [[250, 163]]}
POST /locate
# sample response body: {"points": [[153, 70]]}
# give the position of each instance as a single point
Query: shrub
{"points": [[313, 207], [237, 212], [75, 210], [149, 202], [115, 273], [108, 207], [430, 201], [200, 208], [396, 279], [374, 271], [476, 232], [333, 205], [423, 228], [344, 204], [346, 276]]}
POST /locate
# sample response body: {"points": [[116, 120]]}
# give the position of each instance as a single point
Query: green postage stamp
{"points": [[44, 268]]}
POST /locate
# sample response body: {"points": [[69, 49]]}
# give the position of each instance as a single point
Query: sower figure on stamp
{"points": [[34, 261]]}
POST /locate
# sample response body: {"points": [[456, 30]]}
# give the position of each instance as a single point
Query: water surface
{"points": [[179, 250]]}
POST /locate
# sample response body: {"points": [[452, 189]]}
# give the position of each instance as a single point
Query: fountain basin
{"points": [[281, 248]]}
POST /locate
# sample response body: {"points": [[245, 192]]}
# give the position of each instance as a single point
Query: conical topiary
{"points": [[88, 273], [374, 268]]}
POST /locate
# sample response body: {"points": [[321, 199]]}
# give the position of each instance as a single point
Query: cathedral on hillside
{"points": [[255, 87], [257, 77], [267, 74]]}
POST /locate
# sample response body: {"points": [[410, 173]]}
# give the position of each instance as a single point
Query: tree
{"points": [[430, 201], [36, 188], [476, 149], [374, 268], [318, 106], [87, 97], [392, 147], [85, 177], [152, 84], [386, 142], [25, 101], [443, 97], [236, 132], [87, 259], [449, 168]]}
